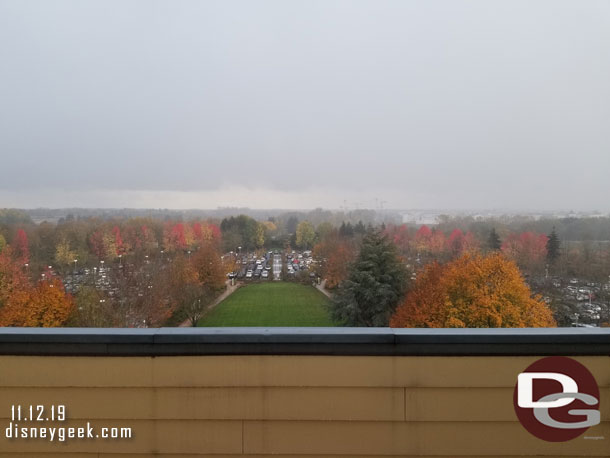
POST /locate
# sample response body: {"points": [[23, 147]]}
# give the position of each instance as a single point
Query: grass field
{"points": [[271, 304]]}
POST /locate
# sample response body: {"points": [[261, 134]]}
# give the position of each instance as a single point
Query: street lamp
{"points": [[120, 258], [75, 261]]}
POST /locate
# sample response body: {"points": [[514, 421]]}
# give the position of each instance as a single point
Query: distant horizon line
{"points": [[288, 209]]}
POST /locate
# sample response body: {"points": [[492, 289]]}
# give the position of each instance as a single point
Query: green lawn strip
{"points": [[271, 304]]}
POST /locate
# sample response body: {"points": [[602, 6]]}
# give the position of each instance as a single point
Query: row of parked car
{"points": [[254, 266], [298, 261]]}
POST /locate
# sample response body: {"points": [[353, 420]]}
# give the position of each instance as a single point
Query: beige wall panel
{"points": [[275, 371], [277, 403], [471, 404], [427, 438], [353, 371], [273, 403], [75, 371], [149, 437]]}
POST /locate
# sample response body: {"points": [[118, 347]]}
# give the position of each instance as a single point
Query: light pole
{"points": [[120, 259], [75, 261]]}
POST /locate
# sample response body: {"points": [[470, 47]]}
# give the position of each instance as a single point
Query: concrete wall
{"points": [[287, 405]]}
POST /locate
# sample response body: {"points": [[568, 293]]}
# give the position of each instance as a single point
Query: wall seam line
{"points": [[404, 404]]}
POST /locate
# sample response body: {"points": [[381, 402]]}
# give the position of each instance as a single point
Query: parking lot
{"points": [[273, 265]]}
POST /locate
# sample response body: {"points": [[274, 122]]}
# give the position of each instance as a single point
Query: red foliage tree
{"points": [[174, 237], [528, 249], [422, 238], [21, 246], [400, 236], [118, 240], [97, 245], [455, 242]]}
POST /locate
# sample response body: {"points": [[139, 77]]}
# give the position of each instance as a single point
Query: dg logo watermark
{"points": [[557, 399]]}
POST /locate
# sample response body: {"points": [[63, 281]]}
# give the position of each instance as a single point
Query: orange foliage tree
{"points": [[46, 305], [335, 253], [209, 268], [473, 291]]}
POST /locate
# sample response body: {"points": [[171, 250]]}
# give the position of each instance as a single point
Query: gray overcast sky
{"points": [[451, 104]]}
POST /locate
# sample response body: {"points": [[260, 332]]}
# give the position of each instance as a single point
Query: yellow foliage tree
{"points": [[269, 226], [472, 291], [63, 254]]}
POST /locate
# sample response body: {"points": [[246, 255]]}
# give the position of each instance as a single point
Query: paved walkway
{"points": [[226, 293], [322, 287]]}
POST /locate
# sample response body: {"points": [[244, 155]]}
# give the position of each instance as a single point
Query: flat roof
{"points": [[304, 341]]}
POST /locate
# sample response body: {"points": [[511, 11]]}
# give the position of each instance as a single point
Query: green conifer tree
{"points": [[375, 284]]}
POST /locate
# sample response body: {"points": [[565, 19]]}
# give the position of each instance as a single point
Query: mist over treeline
{"points": [[572, 228]]}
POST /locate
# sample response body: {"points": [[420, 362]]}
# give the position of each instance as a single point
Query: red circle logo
{"points": [[556, 399]]}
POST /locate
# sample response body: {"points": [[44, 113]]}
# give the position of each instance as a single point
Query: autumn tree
{"points": [[455, 242], [436, 243], [12, 276], [174, 237], [208, 267], [21, 246], [400, 236], [97, 245], [46, 305], [270, 227], [472, 291], [422, 238], [528, 249], [375, 284], [305, 235], [64, 255], [334, 254]]}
